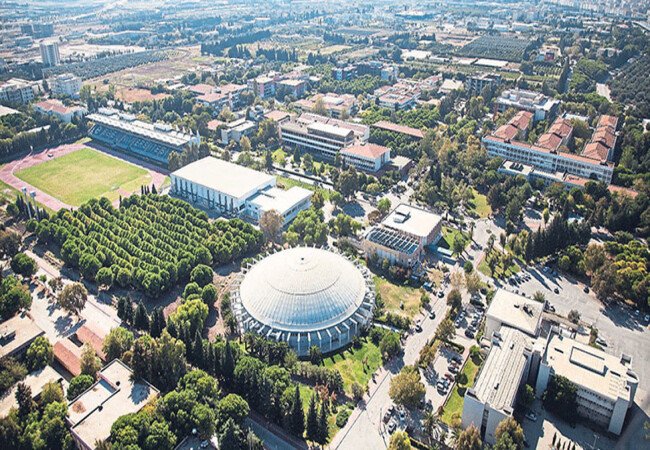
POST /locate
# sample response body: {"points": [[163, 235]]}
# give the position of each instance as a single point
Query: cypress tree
{"points": [[197, 350], [228, 364], [128, 311], [323, 426], [141, 318], [121, 308], [312, 420], [297, 415]]}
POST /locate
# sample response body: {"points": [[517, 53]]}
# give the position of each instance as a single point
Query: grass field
{"points": [[79, 176], [456, 399], [499, 271], [350, 363], [392, 294], [288, 183], [480, 205], [448, 237]]}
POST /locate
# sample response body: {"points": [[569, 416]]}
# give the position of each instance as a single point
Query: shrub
{"points": [[342, 417]]}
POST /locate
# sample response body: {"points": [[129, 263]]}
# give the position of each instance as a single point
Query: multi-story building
{"points": [[603, 141], [17, 90], [377, 69], [53, 107], [263, 86], [152, 141], [296, 86], [478, 81], [335, 104], [50, 54], [402, 236], [540, 105], [344, 73], [217, 97], [65, 84], [325, 138], [236, 190], [38, 30], [606, 384], [402, 95], [235, 130], [558, 135]]}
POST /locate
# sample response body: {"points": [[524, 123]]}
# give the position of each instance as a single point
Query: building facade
{"points": [[50, 54], [65, 84], [479, 81], [540, 105], [17, 90], [53, 107]]}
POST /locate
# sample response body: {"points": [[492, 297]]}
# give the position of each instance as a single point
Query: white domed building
{"points": [[304, 296]]}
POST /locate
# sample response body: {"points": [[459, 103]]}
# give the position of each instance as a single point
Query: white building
{"points": [[366, 156], [17, 90], [65, 84], [56, 108], [508, 308], [542, 106], [236, 190], [606, 384], [50, 54], [237, 129]]}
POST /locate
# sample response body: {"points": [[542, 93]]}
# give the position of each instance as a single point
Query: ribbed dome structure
{"points": [[304, 296]]}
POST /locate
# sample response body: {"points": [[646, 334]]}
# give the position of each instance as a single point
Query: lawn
{"points": [[8, 194], [498, 270], [480, 205], [455, 403], [350, 363], [288, 183], [448, 237], [392, 294], [279, 156], [79, 176]]}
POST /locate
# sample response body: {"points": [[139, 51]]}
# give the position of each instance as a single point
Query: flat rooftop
{"points": [[279, 199], [92, 414], [17, 333], [515, 310], [589, 367], [36, 381], [225, 177], [498, 381], [392, 239], [412, 220]]}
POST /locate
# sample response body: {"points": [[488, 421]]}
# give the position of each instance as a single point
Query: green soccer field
{"points": [[79, 176]]}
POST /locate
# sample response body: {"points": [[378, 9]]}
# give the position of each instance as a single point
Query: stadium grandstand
{"points": [[145, 140]]}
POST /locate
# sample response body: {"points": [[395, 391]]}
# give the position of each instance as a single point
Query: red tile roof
{"points": [[214, 124], [201, 89], [610, 121], [522, 119], [212, 97], [507, 131], [605, 136], [390, 126], [68, 355], [549, 141], [561, 127], [581, 181], [86, 334], [56, 106], [366, 150], [276, 115], [596, 150]]}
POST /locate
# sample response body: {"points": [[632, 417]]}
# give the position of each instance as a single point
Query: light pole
{"points": [[32, 194], [29, 209]]}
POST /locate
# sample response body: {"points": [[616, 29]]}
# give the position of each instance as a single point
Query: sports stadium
{"points": [[304, 296]]}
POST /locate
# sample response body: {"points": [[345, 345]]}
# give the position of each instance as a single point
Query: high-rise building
{"points": [[50, 54], [65, 84]]}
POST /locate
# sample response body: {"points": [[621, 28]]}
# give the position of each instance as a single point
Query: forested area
{"points": [[99, 67], [632, 86], [150, 243], [365, 84]]}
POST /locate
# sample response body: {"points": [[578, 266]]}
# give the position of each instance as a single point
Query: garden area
{"points": [[288, 183], [449, 236], [403, 300], [453, 409], [479, 205], [355, 365]]}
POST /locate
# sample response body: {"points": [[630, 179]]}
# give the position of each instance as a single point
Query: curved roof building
{"points": [[304, 296]]}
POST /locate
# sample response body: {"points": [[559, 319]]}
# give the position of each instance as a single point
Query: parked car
{"points": [[556, 290], [531, 416], [601, 341], [418, 326], [469, 333], [586, 289], [441, 294], [432, 315], [387, 417], [402, 415], [391, 427], [449, 376], [647, 318]]}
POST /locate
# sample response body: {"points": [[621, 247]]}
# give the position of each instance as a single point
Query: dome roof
{"points": [[302, 289]]}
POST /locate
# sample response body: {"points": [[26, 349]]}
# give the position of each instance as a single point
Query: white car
{"points": [[531, 416]]}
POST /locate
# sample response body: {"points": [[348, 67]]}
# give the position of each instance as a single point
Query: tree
{"points": [[509, 435], [383, 205], [389, 345], [24, 399], [319, 107], [574, 316], [560, 397], [526, 395], [141, 318], [323, 425], [232, 407], [539, 296], [9, 243], [594, 258], [336, 199], [446, 330], [73, 298], [104, 277], [52, 392], [271, 225], [455, 299], [472, 282], [399, 441], [118, 341], [209, 294], [357, 391], [347, 183], [296, 415], [406, 387], [245, 144], [231, 437], [89, 265], [89, 362], [315, 355], [469, 439], [56, 284], [312, 420], [23, 265], [458, 245], [39, 354], [317, 200], [202, 275], [78, 385]]}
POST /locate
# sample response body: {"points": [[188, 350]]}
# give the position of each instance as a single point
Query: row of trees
{"points": [[150, 243]]}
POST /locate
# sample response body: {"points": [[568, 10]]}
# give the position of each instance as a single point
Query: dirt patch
{"points": [[130, 95]]}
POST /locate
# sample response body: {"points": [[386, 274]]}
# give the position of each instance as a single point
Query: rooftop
{"points": [[92, 414], [222, 176], [36, 381], [390, 126], [68, 354], [515, 310], [392, 239], [499, 378], [279, 199], [589, 367], [412, 220], [201, 89], [57, 106], [366, 150], [17, 333]]}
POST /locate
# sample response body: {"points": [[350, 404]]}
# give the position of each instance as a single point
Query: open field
{"points": [[499, 271], [130, 95], [79, 176], [393, 295], [288, 183], [466, 380], [480, 205], [8, 194], [351, 363], [448, 237]]}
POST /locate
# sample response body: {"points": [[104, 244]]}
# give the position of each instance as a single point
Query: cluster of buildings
{"points": [[521, 353], [266, 86], [405, 93], [17, 90], [549, 157], [326, 138], [373, 68], [65, 84], [335, 105], [237, 191], [153, 142], [403, 235], [218, 96]]}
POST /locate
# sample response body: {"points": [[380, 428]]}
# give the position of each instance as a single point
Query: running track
{"points": [[7, 172]]}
